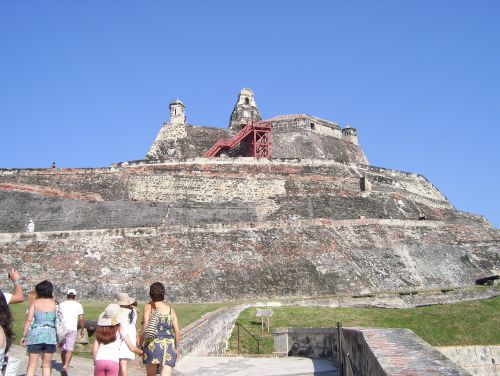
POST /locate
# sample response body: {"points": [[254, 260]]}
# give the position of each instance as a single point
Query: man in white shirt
{"points": [[17, 295], [72, 312], [31, 226]]}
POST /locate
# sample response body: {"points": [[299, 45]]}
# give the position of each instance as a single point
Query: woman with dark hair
{"points": [[109, 337], [163, 350], [39, 332], [6, 330]]}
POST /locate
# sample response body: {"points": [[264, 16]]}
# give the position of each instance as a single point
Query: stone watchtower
{"points": [[350, 134], [177, 112], [244, 111]]}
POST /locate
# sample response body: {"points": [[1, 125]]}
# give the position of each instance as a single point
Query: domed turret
{"points": [[177, 112], [350, 134]]}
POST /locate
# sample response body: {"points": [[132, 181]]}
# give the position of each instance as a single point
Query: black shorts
{"points": [[39, 348]]}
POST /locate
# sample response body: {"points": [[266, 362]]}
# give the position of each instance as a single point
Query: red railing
{"points": [[259, 133]]}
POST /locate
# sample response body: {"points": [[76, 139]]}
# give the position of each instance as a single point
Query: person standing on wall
{"points": [[39, 332], [72, 312], [17, 294]]}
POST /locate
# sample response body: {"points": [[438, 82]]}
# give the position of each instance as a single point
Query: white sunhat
{"points": [[123, 299], [110, 315]]}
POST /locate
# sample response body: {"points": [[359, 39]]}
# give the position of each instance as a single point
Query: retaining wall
{"points": [[374, 352]]}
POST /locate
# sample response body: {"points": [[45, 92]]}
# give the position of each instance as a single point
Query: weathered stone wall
{"points": [[302, 142], [203, 191], [239, 228], [478, 360], [374, 352], [216, 262], [290, 139], [383, 352], [184, 141]]}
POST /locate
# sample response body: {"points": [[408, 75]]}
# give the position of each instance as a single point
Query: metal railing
{"points": [[238, 325], [346, 363]]}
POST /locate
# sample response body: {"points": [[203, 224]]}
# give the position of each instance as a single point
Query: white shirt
{"points": [[8, 297], [111, 351], [128, 328], [71, 309]]}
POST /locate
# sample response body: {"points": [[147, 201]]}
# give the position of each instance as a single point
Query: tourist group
{"points": [[50, 324]]}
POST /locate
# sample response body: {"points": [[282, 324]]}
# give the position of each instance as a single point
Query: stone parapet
{"points": [[478, 360], [374, 352]]}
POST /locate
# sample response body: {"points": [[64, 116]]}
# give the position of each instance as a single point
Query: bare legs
{"points": [[46, 364], [150, 369], [32, 363], [123, 367], [66, 358], [166, 371]]}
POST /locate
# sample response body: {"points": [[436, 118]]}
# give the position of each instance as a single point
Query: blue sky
{"points": [[88, 83]]}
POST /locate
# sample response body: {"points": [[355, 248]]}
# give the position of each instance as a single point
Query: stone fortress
{"points": [[314, 219]]}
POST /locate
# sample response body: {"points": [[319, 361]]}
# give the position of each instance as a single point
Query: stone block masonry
{"points": [[225, 263], [145, 195], [374, 352], [238, 228], [478, 360]]}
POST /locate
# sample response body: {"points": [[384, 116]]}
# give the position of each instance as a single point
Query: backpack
{"points": [[61, 329]]}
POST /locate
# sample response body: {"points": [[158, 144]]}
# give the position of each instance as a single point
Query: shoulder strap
{"points": [[153, 305], [169, 312]]}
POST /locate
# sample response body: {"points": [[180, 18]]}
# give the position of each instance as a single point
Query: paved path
{"points": [[200, 365], [79, 366], [239, 366]]}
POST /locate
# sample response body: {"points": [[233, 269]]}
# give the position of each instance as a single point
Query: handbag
{"points": [[11, 366], [151, 329], [61, 329], [82, 338]]}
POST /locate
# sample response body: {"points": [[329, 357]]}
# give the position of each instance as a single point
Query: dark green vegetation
{"points": [[187, 313], [468, 323]]}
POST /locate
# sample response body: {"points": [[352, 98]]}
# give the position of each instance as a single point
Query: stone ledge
{"points": [[145, 231]]}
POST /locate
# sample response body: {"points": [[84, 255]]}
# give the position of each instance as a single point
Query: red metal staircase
{"points": [[258, 133]]}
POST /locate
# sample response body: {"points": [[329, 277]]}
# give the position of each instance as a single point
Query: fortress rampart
{"points": [[236, 228], [202, 191], [315, 219], [212, 263]]}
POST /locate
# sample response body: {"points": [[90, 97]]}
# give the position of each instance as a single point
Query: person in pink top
{"points": [[108, 339]]}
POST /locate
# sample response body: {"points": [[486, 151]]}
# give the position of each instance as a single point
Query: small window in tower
{"points": [[175, 111], [313, 126], [247, 101]]}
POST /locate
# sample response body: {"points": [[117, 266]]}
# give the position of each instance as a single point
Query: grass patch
{"points": [[186, 313], [462, 324]]}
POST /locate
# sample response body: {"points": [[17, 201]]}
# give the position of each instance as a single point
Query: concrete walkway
{"points": [[79, 366], [239, 366], [199, 365]]}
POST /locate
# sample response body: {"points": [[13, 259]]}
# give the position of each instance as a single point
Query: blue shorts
{"points": [[39, 348]]}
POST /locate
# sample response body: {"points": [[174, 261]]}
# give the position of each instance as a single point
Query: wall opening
{"points": [[313, 126]]}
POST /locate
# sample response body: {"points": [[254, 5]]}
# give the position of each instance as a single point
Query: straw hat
{"points": [[110, 315], [122, 298]]}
